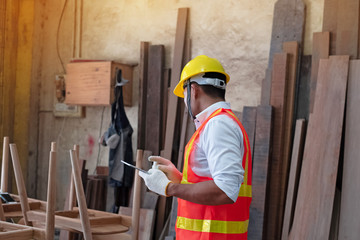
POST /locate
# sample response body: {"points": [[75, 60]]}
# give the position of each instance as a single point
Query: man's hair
{"points": [[211, 90]]}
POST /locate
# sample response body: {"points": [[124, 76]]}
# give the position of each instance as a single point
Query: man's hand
{"points": [[167, 167], [156, 181]]}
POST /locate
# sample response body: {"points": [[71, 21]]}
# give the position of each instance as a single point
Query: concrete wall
{"points": [[237, 32]]}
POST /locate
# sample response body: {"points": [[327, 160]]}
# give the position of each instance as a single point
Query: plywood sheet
{"points": [[350, 204], [321, 48], [278, 101], [293, 182], [321, 153], [260, 174]]}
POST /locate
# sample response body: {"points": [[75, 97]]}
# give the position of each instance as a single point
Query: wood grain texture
{"points": [[347, 32], [260, 174], [330, 19], [320, 49], [266, 88], [350, 206], [143, 72], [154, 99], [293, 181], [278, 101], [321, 153]]}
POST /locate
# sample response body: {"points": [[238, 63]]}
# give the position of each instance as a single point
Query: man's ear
{"points": [[195, 90]]}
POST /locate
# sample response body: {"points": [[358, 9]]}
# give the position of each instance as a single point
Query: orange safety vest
{"points": [[204, 222]]}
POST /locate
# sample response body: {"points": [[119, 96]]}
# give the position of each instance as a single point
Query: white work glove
{"points": [[156, 181], [167, 167]]}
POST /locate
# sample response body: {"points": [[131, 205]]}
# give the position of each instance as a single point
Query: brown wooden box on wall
{"points": [[91, 83]]}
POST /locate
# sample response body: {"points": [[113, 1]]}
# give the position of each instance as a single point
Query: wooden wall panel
{"points": [[260, 174], [350, 204], [278, 101], [320, 162]]}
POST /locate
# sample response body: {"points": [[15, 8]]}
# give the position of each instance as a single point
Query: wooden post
{"points": [[5, 165], [85, 222], [51, 195], [20, 183], [136, 200]]}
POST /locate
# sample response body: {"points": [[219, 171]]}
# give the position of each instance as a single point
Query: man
{"points": [[214, 189]]}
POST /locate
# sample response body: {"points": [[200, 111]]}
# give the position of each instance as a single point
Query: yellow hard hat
{"points": [[200, 64]]}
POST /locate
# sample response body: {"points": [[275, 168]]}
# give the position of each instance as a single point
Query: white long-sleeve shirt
{"points": [[219, 151]]}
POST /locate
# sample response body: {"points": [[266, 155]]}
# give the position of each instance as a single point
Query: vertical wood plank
{"points": [[143, 71], [296, 159], [260, 174], [172, 104], [288, 25], [292, 49], [249, 123], [330, 19], [321, 48], [154, 99], [347, 32], [350, 204], [320, 162], [278, 101]]}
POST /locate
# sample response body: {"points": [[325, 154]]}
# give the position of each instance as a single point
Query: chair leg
{"points": [[80, 195], [20, 183], [51, 195], [5, 165]]}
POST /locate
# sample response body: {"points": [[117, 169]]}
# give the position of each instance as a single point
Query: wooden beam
{"points": [[321, 153]]}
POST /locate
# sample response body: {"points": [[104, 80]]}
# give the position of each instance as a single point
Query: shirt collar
{"points": [[202, 116]]}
